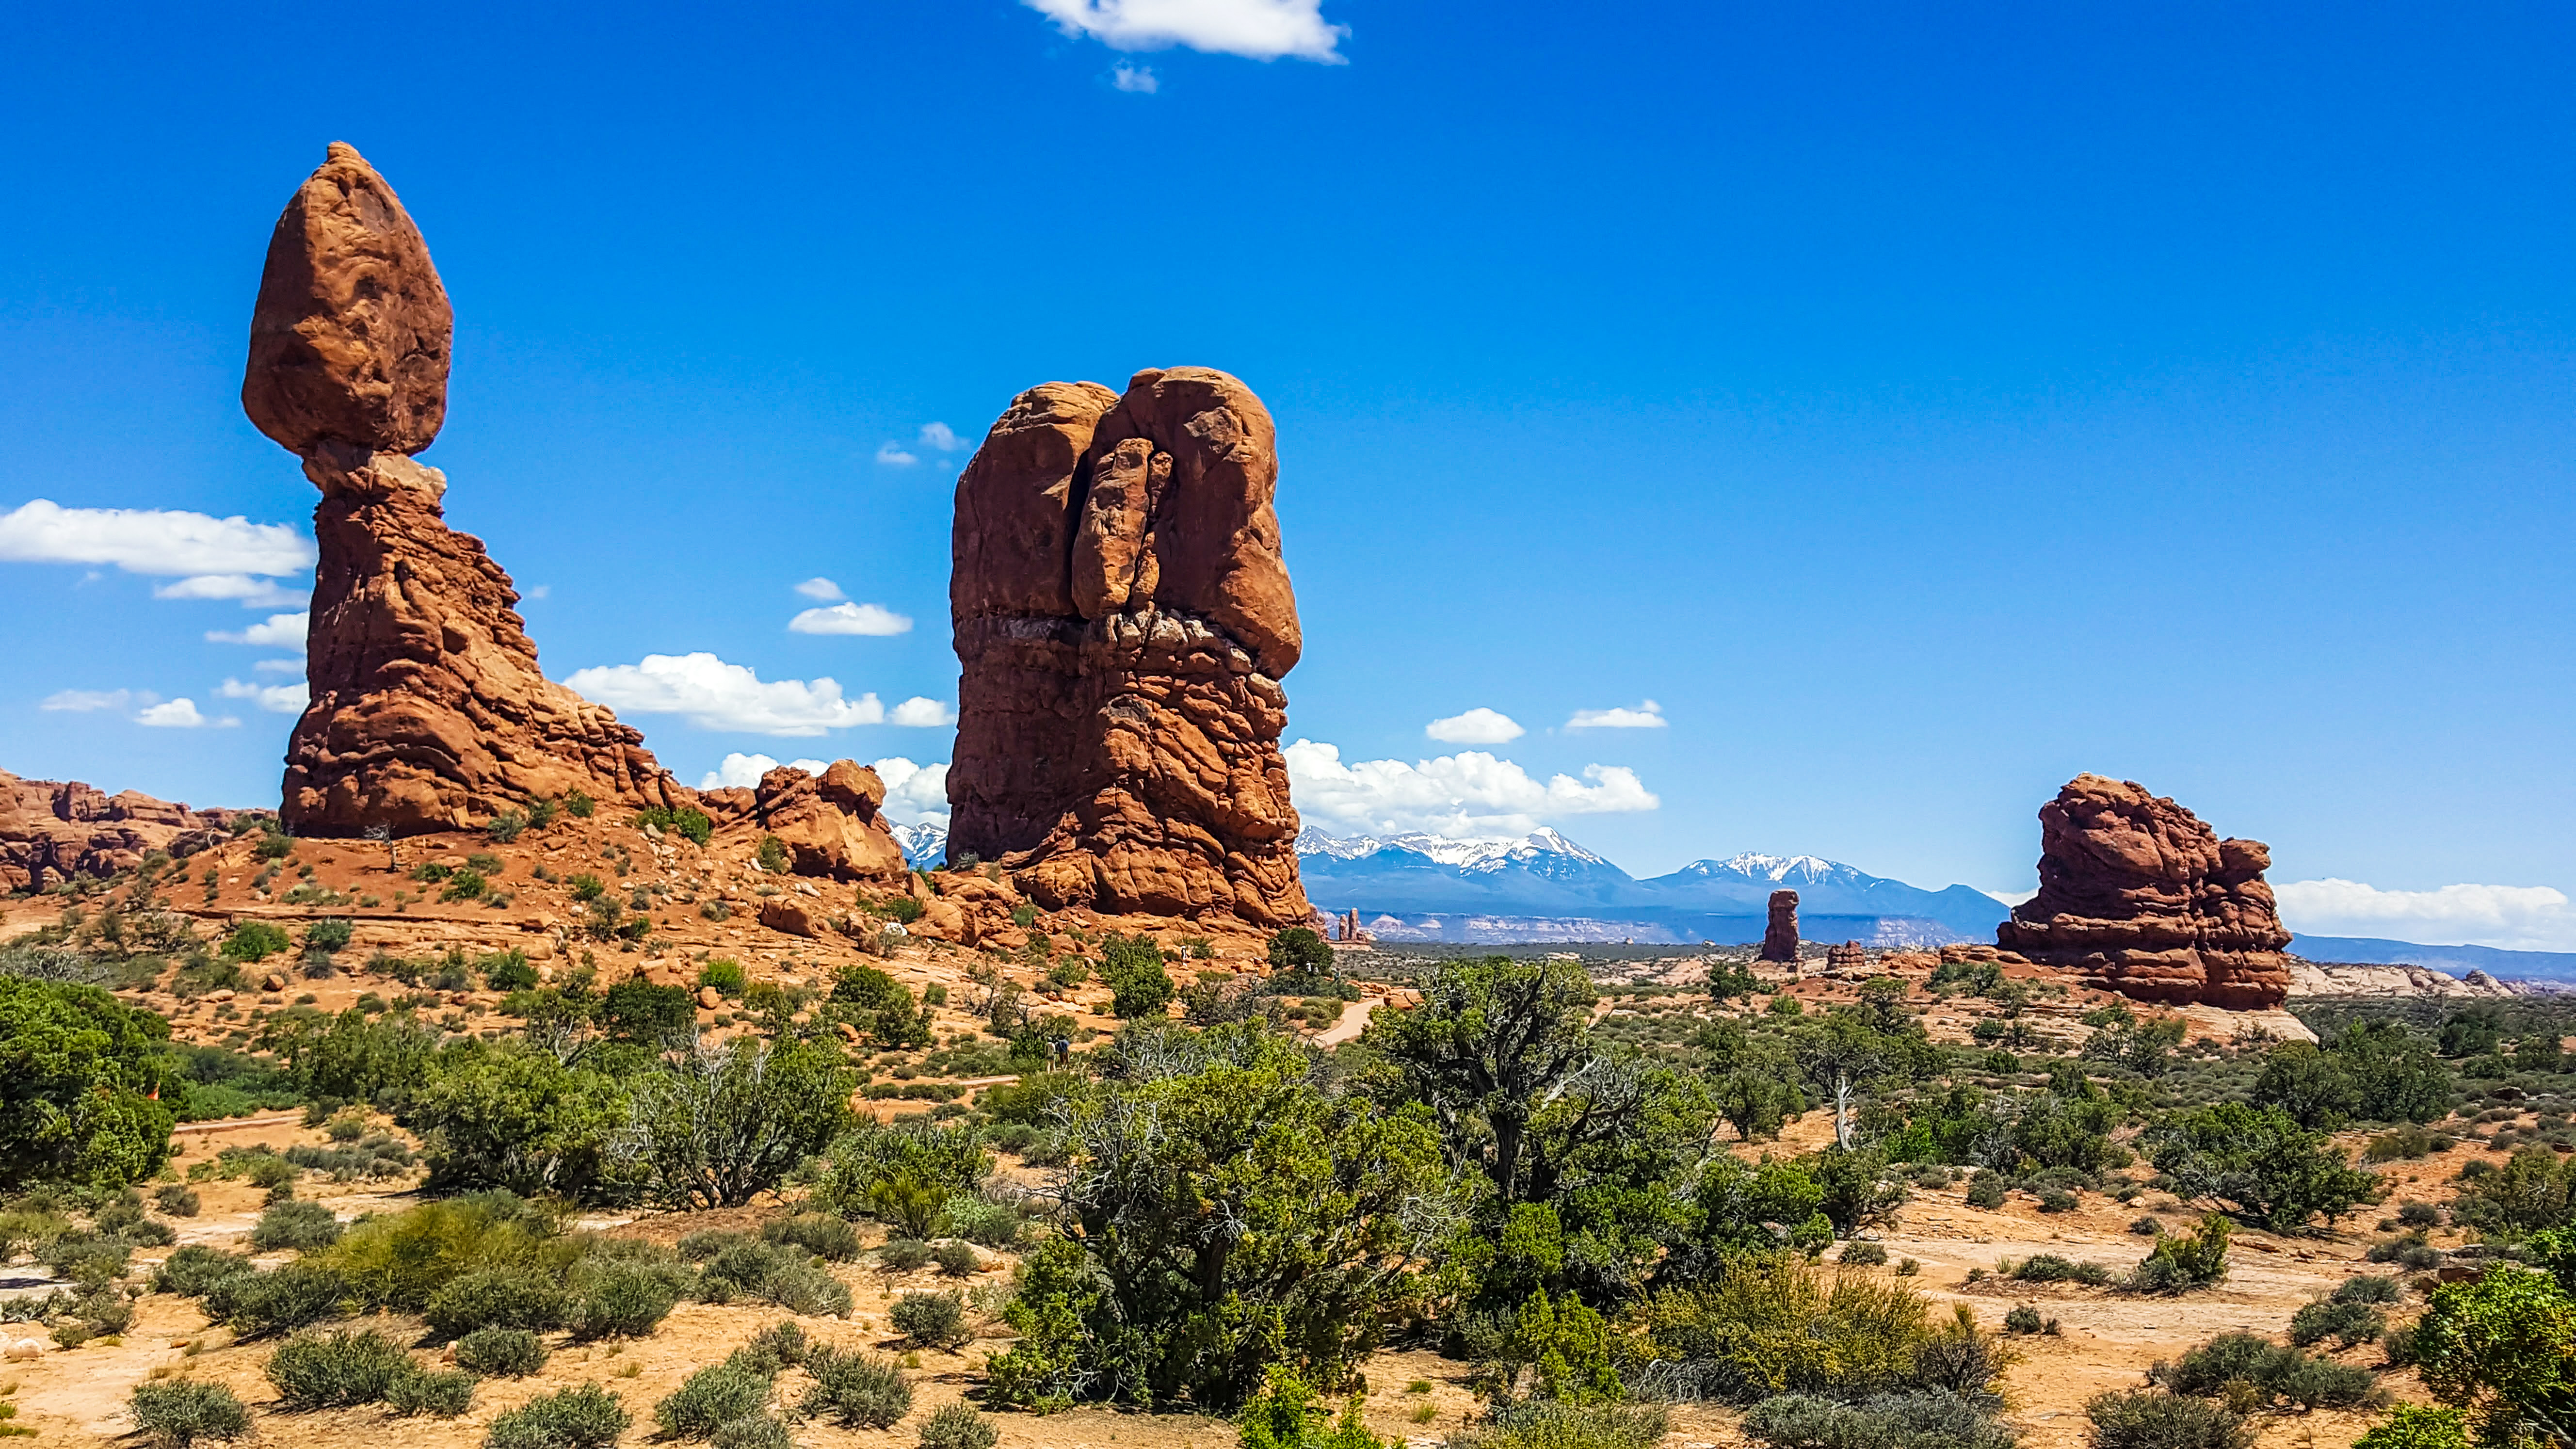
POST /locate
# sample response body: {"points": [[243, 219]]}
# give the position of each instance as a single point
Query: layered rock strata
{"points": [[2138, 896], [428, 710], [55, 828], [1123, 618], [1780, 932]]}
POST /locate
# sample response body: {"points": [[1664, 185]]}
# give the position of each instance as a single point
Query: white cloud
{"points": [[537, 591], [720, 696], [275, 698], [279, 666], [181, 714], [1647, 716], [871, 619], [160, 542], [1469, 794], [1259, 29], [252, 593], [2516, 918], [914, 792], [1135, 79], [277, 631], [1478, 726], [745, 771], [942, 437], [922, 713], [892, 455], [819, 587], [83, 701]]}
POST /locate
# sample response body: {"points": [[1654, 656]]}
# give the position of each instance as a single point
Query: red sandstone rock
{"points": [[789, 914], [830, 823], [2140, 897], [428, 709], [1847, 958], [53, 828], [1780, 933], [1123, 616]]}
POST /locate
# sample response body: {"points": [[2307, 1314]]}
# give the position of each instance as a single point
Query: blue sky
{"points": [[1917, 408]]}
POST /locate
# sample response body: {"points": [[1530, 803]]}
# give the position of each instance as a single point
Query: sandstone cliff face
{"points": [[428, 709], [1123, 617], [54, 828], [2140, 897]]}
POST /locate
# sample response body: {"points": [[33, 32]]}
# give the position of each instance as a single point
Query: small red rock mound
{"points": [[428, 709], [2140, 897], [51, 828], [1123, 617]]}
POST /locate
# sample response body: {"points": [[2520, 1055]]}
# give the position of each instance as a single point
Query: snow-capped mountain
{"points": [[1546, 875], [925, 845]]}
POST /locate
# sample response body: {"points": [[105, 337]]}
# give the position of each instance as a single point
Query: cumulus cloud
{"points": [[250, 592], [1258, 29], [1647, 716], [2516, 918], [920, 713], [941, 436], [275, 698], [1478, 726], [745, 771], [181, 714], [719, 696], [1135, 79], [914, 793], [870, 619], [279, 666], [892, 455], [85, 701], [819, 587], [1470, 794], [277, 631], [154, 541]]}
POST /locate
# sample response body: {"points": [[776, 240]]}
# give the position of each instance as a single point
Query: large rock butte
{"points": [[2140, 897], [1123, 618], [55, 828]]}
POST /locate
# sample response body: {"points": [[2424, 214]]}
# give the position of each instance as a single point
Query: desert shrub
{"points": [[177, 1201], [717, 1126], [712, 1397], [2146, 1227], [958, 1426], [398, 1260], [1549, 1424], [2418, 1215], [1863, 1255], [773, 1273], [2271, 1371], [588, 1417], [957, 1260], [511, 1353], [2369, 1288], [622, 1300], [194, 1270], [854, 1390], [822, 1234], [509, 971], [2022, 1318], [176, 1413], [2050, 1268], [2322, 1383], [724, 974], [87, 1258], [903, 1255], [302, 1226], [2183, 1261], [336, 1370], [298, 1295], [992, 1224], [1925, 1419], [438, 1393], [2259, 1161], [1286, 1414], [511, 1297], [2346, 1323], [752, 1431], [253, 942], [1988, 1194], [2056, 1200], [1133, 968], [1777, 1324], [933, 1320], [2416, 1426], [780, 1346], [2152, 1419]]}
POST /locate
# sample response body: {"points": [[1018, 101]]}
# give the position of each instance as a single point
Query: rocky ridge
{"points": [[55, 828]]}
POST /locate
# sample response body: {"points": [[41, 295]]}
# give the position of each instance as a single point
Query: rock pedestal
{"points": [[1780, 935], [1847, 959], [2139, 897], [1122, 619]]}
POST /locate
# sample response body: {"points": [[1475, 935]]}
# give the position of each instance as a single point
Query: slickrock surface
{"points": [[2140, 897], [1123, 618], [1780, 933], [52, 828], [428, 709]]}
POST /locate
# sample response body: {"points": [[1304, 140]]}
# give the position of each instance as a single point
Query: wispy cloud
{"points": [[279, 666], [85, 701], [1478, 726], [1135, 79], [1647, 716], [2515, 918], [942, 437], [819, 587], [160, 542], [719, 696], [249, 592], [892, 455], [275, 698], [1258, 29], [181, 714], [1470, 794], [277, 631], [871, 619]]}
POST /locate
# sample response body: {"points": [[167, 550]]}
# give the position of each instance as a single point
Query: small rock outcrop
{"points": [[2138, 896], [50, 829], [428, 709], [1847, 959], [830, 823], [1780, 933], [1123, 618]]}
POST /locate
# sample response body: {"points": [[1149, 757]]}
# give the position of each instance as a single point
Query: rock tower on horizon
{"points": [[1780, 933], [428, 709], [2140, 897], [1123, 619]]}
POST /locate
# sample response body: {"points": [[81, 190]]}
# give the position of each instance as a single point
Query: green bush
{"points": [[957, 1260], [822, 1234], [86, 1097], [588, 1417], [1286, 1414], [713, 1397], [328, 935], [989, 1224], [903, 1255], [336, 1370], [176, 1413], [687, 821], [1547, 1424], [1776, 1324], [1863, 1255], [2369, 1288], [780, 1346], [622, 1300], [2150, 1419], [931, 1320], [2414, 1426], [752, 1431], [958, 1426], [1133, 968], [2346, 1323], [253, 942], [2050, 1268], [1988, 1194], [298, 1295], [509, 971], [398, 1260], [2022, 1318], [855, 1391], [1925, 1419], [193, 1271], [303, 1226], [2180, 1262], [774, 1273], [438, 1393], [498, 1298], [2273, 1372], [511, 1353], [725, 975], [177, 1201]]}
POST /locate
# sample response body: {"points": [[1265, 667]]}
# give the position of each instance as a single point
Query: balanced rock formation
{"points": [[2140, 897], [1123, 618], [54, 828], [428, 709], [1780, 933], [830, 822]]}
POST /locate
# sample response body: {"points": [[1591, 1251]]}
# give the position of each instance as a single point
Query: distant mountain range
{"points": [[1546, 887], [2450, 960], [925, 846]]}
